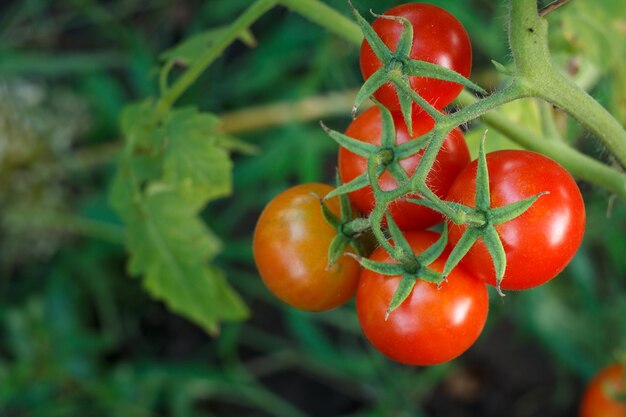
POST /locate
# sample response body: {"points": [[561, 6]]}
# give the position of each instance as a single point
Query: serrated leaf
{"points": [[193, 162], [170, 247]]}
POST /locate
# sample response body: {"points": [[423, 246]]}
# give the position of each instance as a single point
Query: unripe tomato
{"points": [[290, 247], [597, 400]]}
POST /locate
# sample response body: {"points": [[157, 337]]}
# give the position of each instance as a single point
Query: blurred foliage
{"points": [[78, 337]]}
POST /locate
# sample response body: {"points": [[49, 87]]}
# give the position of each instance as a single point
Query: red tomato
{"points": [[597, 400], [452, 158], [290, 247], [437, 38], [540, 242], [432, 325]]}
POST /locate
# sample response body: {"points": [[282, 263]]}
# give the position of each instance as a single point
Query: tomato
{"points": [[290, 247], [597, 400], [437, 38], [452, 158], [432, 325], [540, 242]]}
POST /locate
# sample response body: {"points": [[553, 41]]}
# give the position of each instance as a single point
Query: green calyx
{"points": [[349, 228], [409, 266], [482, 219], [398, 66], [385, 157]]}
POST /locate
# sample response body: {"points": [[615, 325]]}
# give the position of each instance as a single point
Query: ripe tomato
{"points": [[597, 400], [290, 247], [432, 325], [540, 242], [452, 158], [437, 38]]}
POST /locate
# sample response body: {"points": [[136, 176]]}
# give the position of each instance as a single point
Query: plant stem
{"points": [[256, 10], [579, 164], [326, 17], [528, 38]]}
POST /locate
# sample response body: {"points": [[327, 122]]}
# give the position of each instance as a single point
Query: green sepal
{"points": [[406, 107], [383, 268], [428, 275], [501, 68], [399, 240], [330, 217], [388, 129], [402, 293], [348, 187], [496, 250], [483, 195], [510, 211], [404, 87], [463, 246], [435, 250], [398, 173], [358, 147], [430, 70], [357, 226], [413, 146], [336, 249], [435, 206], [378, 46], [369, 87], [345, 208], [405, 43]]}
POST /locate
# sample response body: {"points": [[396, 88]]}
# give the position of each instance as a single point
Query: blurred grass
{"points": [[80, 338]]}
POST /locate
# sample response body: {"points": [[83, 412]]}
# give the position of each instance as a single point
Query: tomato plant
{"points": [[438, 37], [290, 247], [451, 159], [598, 399], [540, 242], [432, 325]]}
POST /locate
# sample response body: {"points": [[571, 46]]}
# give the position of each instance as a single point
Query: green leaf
{"points": [[378, 46], [356, 184], [194, 163], [170, 247], [381, 267], [402, 293]]}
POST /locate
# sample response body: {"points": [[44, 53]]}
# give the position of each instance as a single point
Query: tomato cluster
{"points": [[435, 321]]}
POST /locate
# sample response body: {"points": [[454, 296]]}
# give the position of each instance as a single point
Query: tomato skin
{"points": [[596, 401], [452, 158], [438, 37], [540, 242], [432, 325], [290, 247]]}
